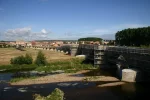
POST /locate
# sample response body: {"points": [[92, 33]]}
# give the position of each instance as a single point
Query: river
{"points": [[74, 90]]}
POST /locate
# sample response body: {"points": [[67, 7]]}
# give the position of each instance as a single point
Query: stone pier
{"points": [[131, 75]]}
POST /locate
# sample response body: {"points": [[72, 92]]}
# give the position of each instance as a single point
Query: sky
{"points": [[70, 19]]}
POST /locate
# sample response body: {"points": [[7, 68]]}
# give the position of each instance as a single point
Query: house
{"points": [[20, 43], [28, 44]]}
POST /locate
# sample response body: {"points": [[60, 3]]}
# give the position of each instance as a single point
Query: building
{"points": [[20, 43]]}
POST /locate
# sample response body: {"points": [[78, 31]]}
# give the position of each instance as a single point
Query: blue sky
{"points": [[70, 19]]}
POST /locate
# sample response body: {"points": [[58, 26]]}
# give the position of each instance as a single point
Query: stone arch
{"points": [[122, 60]]}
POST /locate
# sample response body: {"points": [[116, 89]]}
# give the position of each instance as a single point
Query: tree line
{"points": [[94, 39], [133, 37]]}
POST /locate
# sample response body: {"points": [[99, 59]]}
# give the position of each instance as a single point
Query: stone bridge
{"points": [[119, 58], [111, 57]]}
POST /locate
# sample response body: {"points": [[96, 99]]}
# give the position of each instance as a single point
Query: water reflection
{"points": [[5, 76], [103, 90], [131, 91]]}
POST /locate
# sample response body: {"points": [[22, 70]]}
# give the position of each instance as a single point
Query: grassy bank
{"points": [[16, 68], [71, 65], [22, 78]]}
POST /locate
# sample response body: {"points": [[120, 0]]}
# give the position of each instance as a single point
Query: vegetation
{"points": [[7, 53], [112, 42], [68, 66], [41, 59], [72, 65], [17, 68], [5, 46], [22, 78], [57, 94], [90, 39], [27, 59], [133, 37]]}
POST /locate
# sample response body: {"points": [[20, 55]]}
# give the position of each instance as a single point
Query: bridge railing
{"points": [[129, 50], [87, 46]]}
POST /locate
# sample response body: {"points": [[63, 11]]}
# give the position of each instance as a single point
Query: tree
{"points": [[94, 39], [28, 59], [41, 59], [134, 36]]}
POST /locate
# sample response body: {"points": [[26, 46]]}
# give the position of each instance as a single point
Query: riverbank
{"points": [[82, 85], [80, 76]]}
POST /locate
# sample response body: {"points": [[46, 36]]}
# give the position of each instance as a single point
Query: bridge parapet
{"points": [[128, 50], [125, 57]]}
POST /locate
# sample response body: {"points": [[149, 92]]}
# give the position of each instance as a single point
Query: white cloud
{"points": [[43, 31], [109, 33], [18, 32], [25, 34]]}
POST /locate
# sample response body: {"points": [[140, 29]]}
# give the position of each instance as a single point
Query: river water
{"points": [[74, 90]]}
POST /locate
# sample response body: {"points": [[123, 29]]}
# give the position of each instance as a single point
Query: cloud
{"points": [[109, 33], [43, 31], [25, 34]]}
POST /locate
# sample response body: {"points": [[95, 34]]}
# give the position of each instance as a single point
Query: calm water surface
{"points": [[75, 90]]}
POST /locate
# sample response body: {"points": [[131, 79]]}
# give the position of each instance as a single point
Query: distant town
{"points": [[48, 43]]}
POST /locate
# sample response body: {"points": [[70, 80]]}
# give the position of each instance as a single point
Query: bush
{"points": [[28, 59], [57, 94], [22, 60], [41, 59]]}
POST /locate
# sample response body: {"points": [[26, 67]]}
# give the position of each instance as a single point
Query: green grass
{"points": [[22, 78], [57, 94], [16, 68], [69, 66], [72, 65], [88, 79]]}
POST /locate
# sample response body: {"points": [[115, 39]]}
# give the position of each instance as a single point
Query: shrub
{"points": [[28, 59], [57, 94], [41, 59], [22, 60], [18, 60]]}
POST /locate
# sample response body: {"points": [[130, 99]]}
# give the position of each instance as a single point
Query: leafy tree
{"points": [[133, 37], [88, 39], [28, 59], [41, 59]]}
